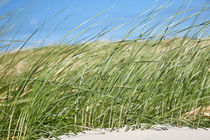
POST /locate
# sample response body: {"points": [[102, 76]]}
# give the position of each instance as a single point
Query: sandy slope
{"points": [[156, 133]]}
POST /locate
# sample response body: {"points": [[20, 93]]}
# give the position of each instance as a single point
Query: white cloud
{"points": [[36, 42], [34, 21]]}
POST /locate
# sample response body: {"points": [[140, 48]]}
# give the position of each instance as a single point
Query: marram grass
{"points": [[49, 91]]}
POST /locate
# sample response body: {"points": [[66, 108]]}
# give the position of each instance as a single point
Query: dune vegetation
{"points": [[68, 88]]}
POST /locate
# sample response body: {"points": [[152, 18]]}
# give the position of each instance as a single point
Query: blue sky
{"points": [[34, 12]]}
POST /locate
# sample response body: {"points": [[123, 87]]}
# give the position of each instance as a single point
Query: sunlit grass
{"points": [[49, 91]]}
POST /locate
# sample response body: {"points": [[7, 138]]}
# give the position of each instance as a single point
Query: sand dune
{"points": [[155, 133]]}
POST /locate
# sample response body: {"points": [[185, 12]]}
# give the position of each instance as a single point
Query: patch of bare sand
{"points": [[155, 133]]}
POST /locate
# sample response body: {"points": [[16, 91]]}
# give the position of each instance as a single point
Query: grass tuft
{"points": [[69, 88]]}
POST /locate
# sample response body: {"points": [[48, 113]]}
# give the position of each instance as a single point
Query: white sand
{"points": [[156, 133]]}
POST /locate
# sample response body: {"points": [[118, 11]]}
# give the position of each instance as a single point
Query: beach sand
{"points": [[155, 133]]}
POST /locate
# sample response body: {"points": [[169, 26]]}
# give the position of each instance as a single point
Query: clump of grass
{"points": [[46, 92]]}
